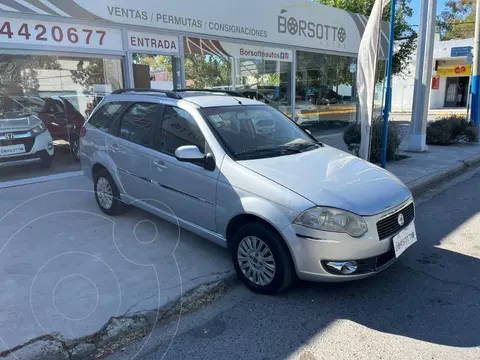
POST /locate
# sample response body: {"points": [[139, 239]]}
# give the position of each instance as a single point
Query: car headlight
{"points": [[39, 128], [334, 220]]}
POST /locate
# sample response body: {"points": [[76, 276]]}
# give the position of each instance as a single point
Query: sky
{"points": [[414, 20]]}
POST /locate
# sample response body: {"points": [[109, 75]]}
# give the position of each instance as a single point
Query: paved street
{"points": [[424, 307]]}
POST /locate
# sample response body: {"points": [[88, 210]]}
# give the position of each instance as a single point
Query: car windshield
{"points": [[253, 132], [11, 108]]}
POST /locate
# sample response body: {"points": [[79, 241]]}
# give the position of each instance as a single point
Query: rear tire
{"points": [[75, 147], [107, 194], [262, 259]]}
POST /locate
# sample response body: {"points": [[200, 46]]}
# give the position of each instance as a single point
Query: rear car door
{"points": [[130, 148], [189, 190]]}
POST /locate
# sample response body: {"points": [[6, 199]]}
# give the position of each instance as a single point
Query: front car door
{"points": [[129, 149], [188, 190]]}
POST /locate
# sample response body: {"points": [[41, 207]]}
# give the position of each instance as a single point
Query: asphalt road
{"points": [[426, 306]]}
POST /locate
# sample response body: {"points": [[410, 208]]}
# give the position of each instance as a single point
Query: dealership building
{"points": [[294, 54]]}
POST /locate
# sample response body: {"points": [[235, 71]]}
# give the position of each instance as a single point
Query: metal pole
{"points": [[476, 69], [388, 96], [421, 91]]}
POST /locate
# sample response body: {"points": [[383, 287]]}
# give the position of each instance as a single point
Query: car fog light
{"points": [[345, 267], [50, 146]]}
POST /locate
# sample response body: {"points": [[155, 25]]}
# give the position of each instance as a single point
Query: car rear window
{"points": [[104, 117]]}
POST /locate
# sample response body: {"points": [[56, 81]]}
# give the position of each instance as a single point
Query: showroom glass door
{"points": [[156, 61], [162, 72], [44, 101]]}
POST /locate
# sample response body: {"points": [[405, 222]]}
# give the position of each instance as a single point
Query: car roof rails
{"points": [[227, 92], [167, 93]]}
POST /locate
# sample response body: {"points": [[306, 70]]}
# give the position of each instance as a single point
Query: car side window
{"points": [[138, 123], [104, 117], [178, 129]]}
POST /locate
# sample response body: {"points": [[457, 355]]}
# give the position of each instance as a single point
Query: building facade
{"points": [[295, 55], [451, 80]]}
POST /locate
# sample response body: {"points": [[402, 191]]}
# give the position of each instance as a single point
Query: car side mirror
{"points": [[192, 154]]}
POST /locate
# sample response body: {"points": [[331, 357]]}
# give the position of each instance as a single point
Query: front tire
{"points": [[262, 259], [107, 194], [46, 160]]}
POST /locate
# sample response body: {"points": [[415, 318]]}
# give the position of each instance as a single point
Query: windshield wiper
{"points": [[301, 147]]}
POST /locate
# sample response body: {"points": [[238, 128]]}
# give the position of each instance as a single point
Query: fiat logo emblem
{"points": [[401, 219]]}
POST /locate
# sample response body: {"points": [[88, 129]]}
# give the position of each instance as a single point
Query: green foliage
{"points": [[451, 130], [457, 21], [352, 137], [208, 71], [403, 30]]}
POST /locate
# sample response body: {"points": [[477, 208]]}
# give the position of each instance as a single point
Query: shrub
{"points": [[451, 130], [352, 137]]}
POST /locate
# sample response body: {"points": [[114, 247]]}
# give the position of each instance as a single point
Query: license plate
{"points": [[404, 239], [12, 149]]}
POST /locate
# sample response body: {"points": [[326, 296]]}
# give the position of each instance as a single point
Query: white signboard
{"points": [[161, 44], [257, 52], [287, 22], [45, 33]]}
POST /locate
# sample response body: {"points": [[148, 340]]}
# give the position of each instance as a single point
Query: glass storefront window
{"points": [[268, 81], [44, 101], [256, 72], [325, 90], [160, 72]]}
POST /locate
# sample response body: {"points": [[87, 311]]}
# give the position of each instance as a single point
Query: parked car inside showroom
{"points": [[285, 205], [24, 138]]}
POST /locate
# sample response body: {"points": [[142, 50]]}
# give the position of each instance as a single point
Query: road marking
{"points": [[40, 179]]}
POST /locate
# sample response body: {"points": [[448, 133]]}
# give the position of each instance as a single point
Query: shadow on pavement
{"points": [[429, 294]]}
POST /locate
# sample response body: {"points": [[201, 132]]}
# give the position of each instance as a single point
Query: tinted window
{"points": [[138, 123], [179, 129], [103, 118]]}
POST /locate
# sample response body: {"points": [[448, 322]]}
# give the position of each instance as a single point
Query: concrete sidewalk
{"points": [[70, 272]]}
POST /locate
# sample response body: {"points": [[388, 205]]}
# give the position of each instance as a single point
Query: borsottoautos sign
{"points": [[287, 22]]}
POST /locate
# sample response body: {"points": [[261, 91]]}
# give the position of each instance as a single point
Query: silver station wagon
{"points": [[285, 205]]}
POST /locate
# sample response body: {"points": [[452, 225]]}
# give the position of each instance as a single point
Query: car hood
{"points": [[330, 177], [19, 124]]}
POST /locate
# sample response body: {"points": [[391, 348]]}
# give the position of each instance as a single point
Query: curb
{"points": [[417, 187], [120, 331]]}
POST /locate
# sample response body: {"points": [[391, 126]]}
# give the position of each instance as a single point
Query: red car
{"points": [[63, 121]]}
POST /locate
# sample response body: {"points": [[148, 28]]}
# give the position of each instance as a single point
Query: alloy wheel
{"points": [[256, 261], [104, 193]]}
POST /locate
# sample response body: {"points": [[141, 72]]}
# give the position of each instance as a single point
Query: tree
{"points": [[157, 63], [457, 21], [208, 71], [405, 35]]}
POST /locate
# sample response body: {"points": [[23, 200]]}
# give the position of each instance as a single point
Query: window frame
{"points": [[113, 124], [118, 122], [158, 133]]}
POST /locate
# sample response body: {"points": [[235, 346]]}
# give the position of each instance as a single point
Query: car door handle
{"points": [[160, 165]]}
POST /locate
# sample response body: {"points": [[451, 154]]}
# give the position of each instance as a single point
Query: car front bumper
{"points": [[313, 249], [42, 146]]}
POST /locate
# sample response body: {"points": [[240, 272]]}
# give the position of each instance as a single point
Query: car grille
{"points": [[28, 142], [389, 226]]}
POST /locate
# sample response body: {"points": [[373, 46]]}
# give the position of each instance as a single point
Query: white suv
{"points": [[24, 138]]}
